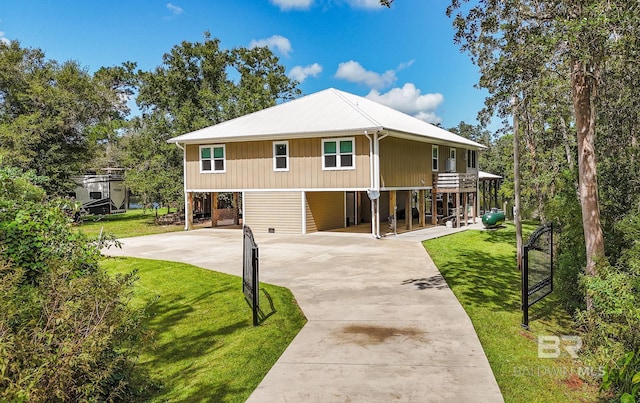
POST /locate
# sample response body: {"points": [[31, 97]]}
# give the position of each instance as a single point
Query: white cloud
{"points": [[354, 72], [280, 43], [405, 65], [371, 4], [300, 73], [4, 40], [292, 4], [411, 101], [175, 10]]}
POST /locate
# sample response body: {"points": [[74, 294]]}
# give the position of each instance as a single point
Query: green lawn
{"points": [[206, 348], [480, 267], [131, 223]]}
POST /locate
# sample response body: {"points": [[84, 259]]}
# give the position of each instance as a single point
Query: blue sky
{"points": [[403, 57]]}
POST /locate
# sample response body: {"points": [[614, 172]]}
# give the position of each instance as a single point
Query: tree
{"points": [[198, 84], [517, 43], [52, 114]]}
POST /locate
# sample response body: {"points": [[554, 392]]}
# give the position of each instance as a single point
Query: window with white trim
{"points": [[338, 153], [280, 155], [471, 159], [434, 158], [212, 159]]}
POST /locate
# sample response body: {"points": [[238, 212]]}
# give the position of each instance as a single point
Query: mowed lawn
{"points": [[480, 267], [205, 348], [132, 223]]}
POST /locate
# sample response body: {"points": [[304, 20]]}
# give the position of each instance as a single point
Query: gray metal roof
{"points": [[330, 112]]}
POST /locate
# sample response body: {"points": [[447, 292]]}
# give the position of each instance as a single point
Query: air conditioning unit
{"points": [[450, 165]]}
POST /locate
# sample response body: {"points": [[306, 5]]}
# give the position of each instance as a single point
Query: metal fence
{"points": [[537, 269], [250, 283]]}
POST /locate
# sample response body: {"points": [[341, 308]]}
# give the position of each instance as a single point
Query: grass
{"points": [[205, 347], [132, 223], [480, 267]]}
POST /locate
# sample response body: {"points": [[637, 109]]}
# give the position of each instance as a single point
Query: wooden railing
{"points": [[454, 182]]}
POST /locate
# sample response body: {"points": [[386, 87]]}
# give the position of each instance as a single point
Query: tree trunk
{"points": [[583, 89]]}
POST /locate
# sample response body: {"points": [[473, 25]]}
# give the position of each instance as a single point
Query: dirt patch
{"points": [[368, 334], [573, 382]]}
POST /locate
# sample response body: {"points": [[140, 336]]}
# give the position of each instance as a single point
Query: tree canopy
{"points": [[197, 85], [53, 115]]}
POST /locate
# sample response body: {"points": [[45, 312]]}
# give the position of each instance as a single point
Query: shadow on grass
{"points": [[481, 267]]}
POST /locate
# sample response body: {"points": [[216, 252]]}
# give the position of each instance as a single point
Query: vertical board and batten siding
{"points": [[325, 211], [249, 165], [281, 211], [405, 163]]}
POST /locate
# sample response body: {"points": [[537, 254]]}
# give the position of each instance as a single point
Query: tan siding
{"points": [[249, 165], [279, 210], [461, 163], [325, 211], [406, 163]]}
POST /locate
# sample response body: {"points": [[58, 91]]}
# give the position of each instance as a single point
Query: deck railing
{"points": [[455, 182]]}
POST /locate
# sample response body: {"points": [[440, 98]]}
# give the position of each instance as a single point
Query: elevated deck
{"points": [[455, 182]]}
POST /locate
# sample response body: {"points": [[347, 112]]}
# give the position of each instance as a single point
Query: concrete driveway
{"points": [[382, 323]]}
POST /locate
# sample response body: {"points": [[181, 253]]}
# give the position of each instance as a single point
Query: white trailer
{"points": [[101, 194]]}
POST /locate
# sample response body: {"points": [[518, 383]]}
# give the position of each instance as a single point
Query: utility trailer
{"points": [[101, 194]]}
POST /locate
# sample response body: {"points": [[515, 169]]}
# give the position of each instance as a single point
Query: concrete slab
{"points": [[382, 323]]}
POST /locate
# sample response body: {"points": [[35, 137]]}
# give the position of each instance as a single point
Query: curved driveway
{"points": [[382, 323]]}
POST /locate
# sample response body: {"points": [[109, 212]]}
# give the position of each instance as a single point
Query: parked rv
{"points": [[101, 194]]}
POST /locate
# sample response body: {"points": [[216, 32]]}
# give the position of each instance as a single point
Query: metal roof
{"points": [[330, 112], [487, 176]]}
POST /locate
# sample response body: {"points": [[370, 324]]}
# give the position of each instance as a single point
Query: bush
{"points": [[564, 209], [66, 330]]}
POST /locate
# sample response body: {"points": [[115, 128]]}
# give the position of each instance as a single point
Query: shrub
{"points": [[66, 330]]}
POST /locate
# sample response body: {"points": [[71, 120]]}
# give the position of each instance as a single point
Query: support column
{"points": [[422, 207], [474, 205], [214, 206], [188, 216], [456, 208], [466, 208], [393, 200], [408, 216], [236, 209], [434, 207]]}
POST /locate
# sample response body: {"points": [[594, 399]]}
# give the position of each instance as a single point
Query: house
{"points": [[331, 160]]}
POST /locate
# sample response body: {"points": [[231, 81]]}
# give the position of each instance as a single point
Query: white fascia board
{"points": [[275, 137]]}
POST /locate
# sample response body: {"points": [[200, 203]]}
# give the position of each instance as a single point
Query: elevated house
{"points": [[332, 160]]}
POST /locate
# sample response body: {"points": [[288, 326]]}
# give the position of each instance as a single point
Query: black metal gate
{"points": [[250, 283], [537, 269]]}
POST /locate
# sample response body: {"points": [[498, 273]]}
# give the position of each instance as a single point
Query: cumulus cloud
{"points": [[354, 72], [292, 4], [175, 10], [411, 101], [276, 42], [3, 39], [371, 4], [300, 73]]}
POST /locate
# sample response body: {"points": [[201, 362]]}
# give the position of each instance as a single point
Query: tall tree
{"points": [[52, 114], [198, 84], [515, 42]]}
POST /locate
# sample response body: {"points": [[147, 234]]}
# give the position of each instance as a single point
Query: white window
{"points": [[280, 155], [434, 158], [452, 153], [471, 159], [338, 153], [212, 159]]}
